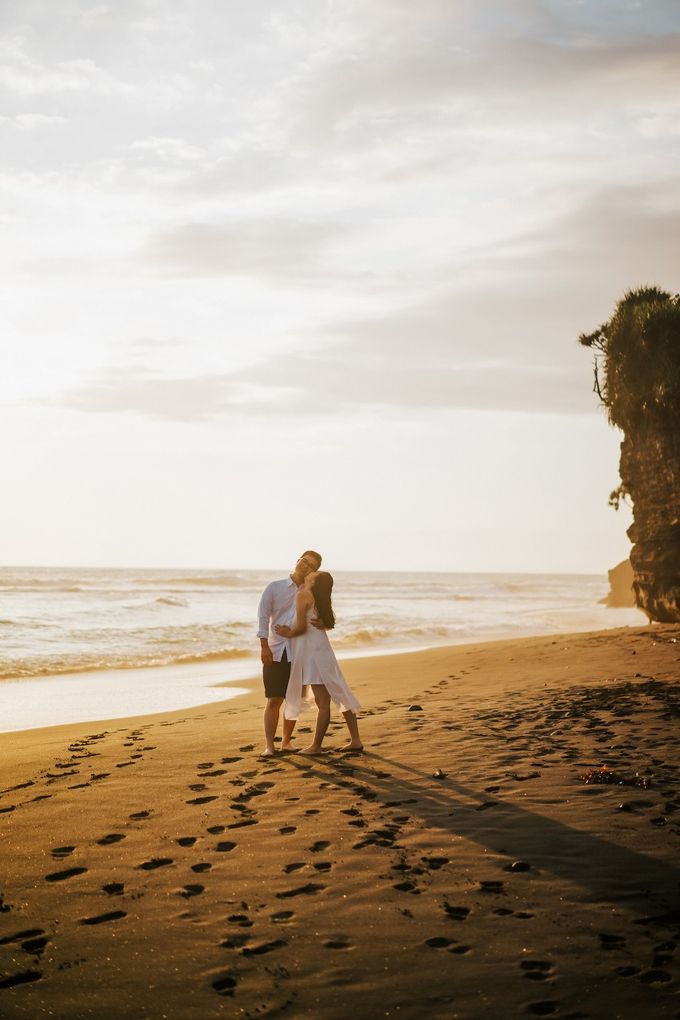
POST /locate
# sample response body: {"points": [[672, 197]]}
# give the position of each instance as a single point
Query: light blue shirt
{"points": [[277, 606]]}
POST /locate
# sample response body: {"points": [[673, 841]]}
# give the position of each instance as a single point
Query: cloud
{"points": [[330, 383], [507, 345], [140, 390], [33, 121], [173, 150], [28, 77], [413, 69], [278, 248]]}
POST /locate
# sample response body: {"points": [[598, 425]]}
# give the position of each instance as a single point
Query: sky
{"points": [[311, 273]]}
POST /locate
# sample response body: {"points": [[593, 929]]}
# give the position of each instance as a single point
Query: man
{"points": [[276, 607]]}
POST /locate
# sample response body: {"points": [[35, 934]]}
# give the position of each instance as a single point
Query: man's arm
{"points": [[263, 616]]}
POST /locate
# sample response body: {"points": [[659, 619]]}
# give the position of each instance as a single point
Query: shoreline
{"points": [[180, 686], [157, 865]]}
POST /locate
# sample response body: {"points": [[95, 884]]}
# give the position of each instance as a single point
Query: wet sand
{"points": [[460, 868]]}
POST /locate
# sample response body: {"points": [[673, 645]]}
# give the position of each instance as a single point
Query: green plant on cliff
{"points": [[637, 377]]}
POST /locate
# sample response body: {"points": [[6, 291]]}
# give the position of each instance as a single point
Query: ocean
{"points": [[98, 643]]}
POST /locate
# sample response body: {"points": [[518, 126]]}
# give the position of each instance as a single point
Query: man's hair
{"points": [[311, 552]]}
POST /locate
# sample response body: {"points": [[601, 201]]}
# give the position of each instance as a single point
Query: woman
{"points": [[314, 663]]}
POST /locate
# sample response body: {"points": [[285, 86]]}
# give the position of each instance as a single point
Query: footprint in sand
{"points": [[112, 915], [113, 837], [225, 985], [656, 977], [62, 851], [322, 866], [456, 913], [409, 887], [205, 764], [491, 886], [282, 916], [235, 941], [35, 946], [611, 941], [18, 936], [140, 814], [200, 868], [242, 920], [259, 949], [197, 787], [113, 888], [340, 942], [229, 761], [215, 830], [61, 876], [434, 863], [191, 890], [537, 970], [439, 942], [544, 1008], [301, 890], [225, 847], [155, 862], [287, 829], [321, 844], [294, 866], [243, 823], [186, 840], [23, 978], [201, 800]]}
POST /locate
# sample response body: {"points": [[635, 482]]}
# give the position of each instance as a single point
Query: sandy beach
{"points": [[461, 868]]}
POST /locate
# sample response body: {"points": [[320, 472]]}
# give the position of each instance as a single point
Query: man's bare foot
{"points": [[352, 747], [267, 753], [289, 749]]}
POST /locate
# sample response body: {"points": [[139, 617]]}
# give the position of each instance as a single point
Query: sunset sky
{"points": [[289, 274]]}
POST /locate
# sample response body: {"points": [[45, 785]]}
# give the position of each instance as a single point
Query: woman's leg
{"points": [[323, 702], [354, 738]]}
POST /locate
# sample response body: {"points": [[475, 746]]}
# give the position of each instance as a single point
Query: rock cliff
{"points": [[620, 594], [637, 377], [650, 471]]}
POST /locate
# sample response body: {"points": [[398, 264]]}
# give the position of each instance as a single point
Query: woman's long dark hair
{"points": [[322, 588]]}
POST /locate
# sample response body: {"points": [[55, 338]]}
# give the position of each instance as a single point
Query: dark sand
{"points": [[156, 868]]}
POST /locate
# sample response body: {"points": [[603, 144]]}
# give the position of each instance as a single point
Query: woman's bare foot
{"points": [[313, 749], [352, 747], [289, 749], [267, 753]]}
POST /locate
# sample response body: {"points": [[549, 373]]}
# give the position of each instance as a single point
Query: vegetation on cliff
{"points": [[637, 377]]}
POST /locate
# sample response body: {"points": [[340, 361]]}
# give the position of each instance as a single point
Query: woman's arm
{"points": [[303, 601]]}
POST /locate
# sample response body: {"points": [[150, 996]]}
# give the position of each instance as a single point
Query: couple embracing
{"points": [[294, 617]]}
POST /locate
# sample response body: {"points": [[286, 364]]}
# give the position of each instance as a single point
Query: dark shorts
{"points": [[275, 677]]}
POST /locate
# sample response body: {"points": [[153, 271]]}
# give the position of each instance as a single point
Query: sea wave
{"points": [[371, 635], [58, 666], [212, 581]]}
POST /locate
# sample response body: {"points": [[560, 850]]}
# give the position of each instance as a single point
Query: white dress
{"points": [[313, 662]]}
